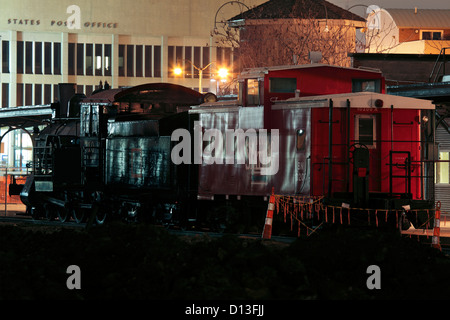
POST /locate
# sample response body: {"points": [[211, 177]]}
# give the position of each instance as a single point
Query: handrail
{"points": [[443, 54]]}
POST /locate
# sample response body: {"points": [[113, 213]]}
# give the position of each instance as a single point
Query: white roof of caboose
{"points": [[357, 100], [261, 71]]}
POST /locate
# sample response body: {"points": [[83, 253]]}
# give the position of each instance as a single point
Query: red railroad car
{"points": [[339, 137]]}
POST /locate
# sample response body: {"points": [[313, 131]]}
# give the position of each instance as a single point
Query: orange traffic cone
{"points": [[437, 230], [267, 232]]}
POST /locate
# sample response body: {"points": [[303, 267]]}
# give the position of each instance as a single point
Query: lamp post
{"points": [[223, 72], [178, 72]]}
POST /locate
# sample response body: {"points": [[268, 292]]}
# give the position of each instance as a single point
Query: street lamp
{"points": [[177, 71], [223, 72]]}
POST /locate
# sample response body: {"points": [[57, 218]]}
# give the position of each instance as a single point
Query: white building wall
{"points": [[157, 25]]}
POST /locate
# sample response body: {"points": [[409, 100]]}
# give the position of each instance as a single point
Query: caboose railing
{"points": [[407, 164], [407, 176]]}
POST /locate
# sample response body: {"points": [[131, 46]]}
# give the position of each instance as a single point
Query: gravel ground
{"points": [[119, 261]]}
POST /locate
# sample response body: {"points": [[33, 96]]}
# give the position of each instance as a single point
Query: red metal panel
{"points": [[406, 134], [320, 80], [320, 150]]}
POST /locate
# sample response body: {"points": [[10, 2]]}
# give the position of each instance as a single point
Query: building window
{"points": [[431, 35], [38, 58], [56, 58], [148, 61], [19, 95], [28, 94], [47, 58], [89, 61], [37, 94], [5, 56], [442, 169], [71, 59], [197, 57], [365, 130], [80, 59], [107, 60], [188, 66], [5, 95], [47, 93], [139, 61], [28, 57], [171, 60], [20, 56], [121, 60], [98, 59], [130, 61], [157, 61]]}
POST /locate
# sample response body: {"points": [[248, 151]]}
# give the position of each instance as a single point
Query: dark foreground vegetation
{"points": [[120, 261]]}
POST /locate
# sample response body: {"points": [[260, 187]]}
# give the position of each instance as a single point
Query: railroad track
{"points": [[445, 247], [40, 222], [176, 232]]}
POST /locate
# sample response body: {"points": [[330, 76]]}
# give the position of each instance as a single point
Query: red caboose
{"points": [[339, 136], [369, 144]]}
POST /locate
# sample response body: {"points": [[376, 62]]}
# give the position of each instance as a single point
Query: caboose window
{"points": [[300, 139], [365, 130], [363, 85], [253, 92], [283, 85]]}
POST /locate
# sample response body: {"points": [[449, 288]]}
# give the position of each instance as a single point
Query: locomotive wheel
{"points": [[78, 214], [101, 216], [63, 214], [35, 212], [49, 211]]}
